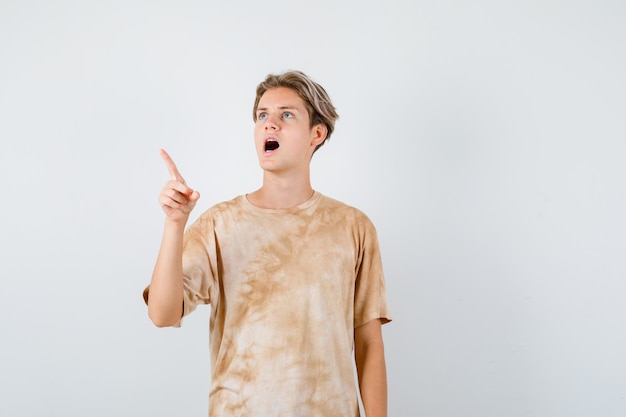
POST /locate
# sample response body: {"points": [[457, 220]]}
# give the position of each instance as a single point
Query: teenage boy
{"points": [[294, 278]]}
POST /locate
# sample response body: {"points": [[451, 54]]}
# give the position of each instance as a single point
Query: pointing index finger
{"points": [[171, 166]]}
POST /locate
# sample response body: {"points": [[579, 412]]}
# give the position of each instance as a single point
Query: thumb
{"points": [[194, 196]]}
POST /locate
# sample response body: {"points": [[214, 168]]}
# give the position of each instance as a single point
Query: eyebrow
{"points": [[280, 108]]}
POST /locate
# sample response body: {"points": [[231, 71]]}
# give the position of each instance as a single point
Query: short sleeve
{"points": [[370, 297], [199, 266]]}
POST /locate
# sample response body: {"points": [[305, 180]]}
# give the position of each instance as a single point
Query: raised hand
{"points": [[176, 199]]}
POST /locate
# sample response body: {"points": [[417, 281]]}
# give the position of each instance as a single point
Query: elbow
{"points": [[161, 324], [161, 320]]}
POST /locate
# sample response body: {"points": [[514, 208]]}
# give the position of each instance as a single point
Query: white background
{"points": [[485, 139]]}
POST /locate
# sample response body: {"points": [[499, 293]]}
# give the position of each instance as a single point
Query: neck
{"points": [[280, 192]]}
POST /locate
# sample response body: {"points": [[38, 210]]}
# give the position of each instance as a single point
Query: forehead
{"points": [[282, 97]]}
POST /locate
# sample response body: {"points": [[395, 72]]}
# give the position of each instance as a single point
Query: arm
{"points": [[165, 302], [370, 363]]}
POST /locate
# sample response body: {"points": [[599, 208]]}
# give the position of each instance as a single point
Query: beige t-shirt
{"points": [[286, 288]]}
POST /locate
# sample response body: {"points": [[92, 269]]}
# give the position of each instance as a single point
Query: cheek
{"points": [[258, 132]]}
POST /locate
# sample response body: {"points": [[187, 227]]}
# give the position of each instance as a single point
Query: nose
{"points": [[271, 123]]}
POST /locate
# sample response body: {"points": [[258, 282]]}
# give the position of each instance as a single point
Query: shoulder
{"points": [[346, 211], [221, 210]]}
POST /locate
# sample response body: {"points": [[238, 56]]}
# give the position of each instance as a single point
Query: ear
{"points": [[318, 134]]}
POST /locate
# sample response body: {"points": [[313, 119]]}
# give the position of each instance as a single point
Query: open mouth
{"points": [[271, 144]]}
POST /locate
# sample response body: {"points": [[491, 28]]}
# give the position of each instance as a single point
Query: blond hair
{"points": [[316, 99]]}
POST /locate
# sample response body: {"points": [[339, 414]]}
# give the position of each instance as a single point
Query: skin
{"points": [[369, 354], [165, 306], [281, 116]]}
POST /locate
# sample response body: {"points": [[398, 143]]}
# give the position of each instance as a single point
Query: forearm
{"points": [[372, 376], [165, 302]]}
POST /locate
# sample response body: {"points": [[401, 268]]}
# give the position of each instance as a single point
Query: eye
{"points": [[262, 116], [287, 115]]}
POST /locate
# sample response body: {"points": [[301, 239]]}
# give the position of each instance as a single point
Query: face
{"points": [[283, 137]]}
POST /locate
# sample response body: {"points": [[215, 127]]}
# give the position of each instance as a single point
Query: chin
{"points": [[267, 165]]}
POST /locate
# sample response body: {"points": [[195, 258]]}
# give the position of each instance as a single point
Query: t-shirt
{"points": [[286, 289]]}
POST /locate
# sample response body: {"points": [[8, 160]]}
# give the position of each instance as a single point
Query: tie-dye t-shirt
{"points": [[286, 288]]}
